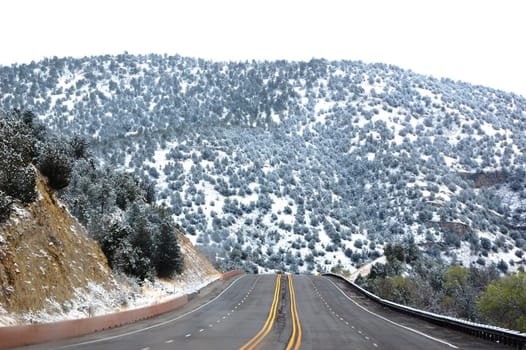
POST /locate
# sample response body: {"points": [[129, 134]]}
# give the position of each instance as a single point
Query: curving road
{"points": [[278, 312]]}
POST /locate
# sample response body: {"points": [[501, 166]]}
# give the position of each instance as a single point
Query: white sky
{"points": [[478, 41]]}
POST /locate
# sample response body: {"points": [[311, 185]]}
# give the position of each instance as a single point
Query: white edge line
{"points": [[157, 324], [392, 322]]}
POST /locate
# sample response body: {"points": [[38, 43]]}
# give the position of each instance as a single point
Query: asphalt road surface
{"points": [[278, 312]]}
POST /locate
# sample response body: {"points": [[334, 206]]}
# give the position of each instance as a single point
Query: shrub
{"points": [[17, 179], [79, 147], [56, 165], [23, 184], [504, 302], [502, 266]]}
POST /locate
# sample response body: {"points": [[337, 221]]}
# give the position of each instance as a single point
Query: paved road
{"points": [[226, 321], [334, 317], [264, 311]]}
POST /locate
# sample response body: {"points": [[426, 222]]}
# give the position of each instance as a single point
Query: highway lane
{"points": [[256, 341], [334, 317], [278, 312]]}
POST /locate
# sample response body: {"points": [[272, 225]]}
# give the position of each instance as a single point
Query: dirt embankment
{"points": [[46, 256], [48, 263], [196, 266], [486, 179]]}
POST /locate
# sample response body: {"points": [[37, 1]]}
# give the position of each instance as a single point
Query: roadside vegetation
{"points": [[136, 235], [482, 294]]}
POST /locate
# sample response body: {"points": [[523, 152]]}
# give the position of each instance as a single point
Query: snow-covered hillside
{"points": [[300, 166]]}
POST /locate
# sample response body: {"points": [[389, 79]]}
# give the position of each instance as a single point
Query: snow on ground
{"points": [[451, 162], [163, 290], [187, 164], [463, 254], [488, 129], [96, 300]]}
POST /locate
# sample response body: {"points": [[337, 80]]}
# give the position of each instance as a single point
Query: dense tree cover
{"points": [[25, 146], [141, 242], [355, 151], [137, 236], [17, 150]]}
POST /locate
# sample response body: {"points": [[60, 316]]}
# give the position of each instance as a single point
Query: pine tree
{"points": [[142, 238], [126, 190], [168, 257]]}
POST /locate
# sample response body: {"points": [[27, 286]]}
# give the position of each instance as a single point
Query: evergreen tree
{"points": [[79, 147], [55, 163], [112, 241], [143, 230], [168, 258], [126, 190]]}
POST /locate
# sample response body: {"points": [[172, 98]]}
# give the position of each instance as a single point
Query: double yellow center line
{"points": [[258, 338], [295, 338]]}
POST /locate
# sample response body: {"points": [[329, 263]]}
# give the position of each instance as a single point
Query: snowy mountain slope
{"points": [[299, 165]]}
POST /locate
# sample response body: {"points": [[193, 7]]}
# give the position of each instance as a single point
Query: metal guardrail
{"points": [[491, 333]]}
